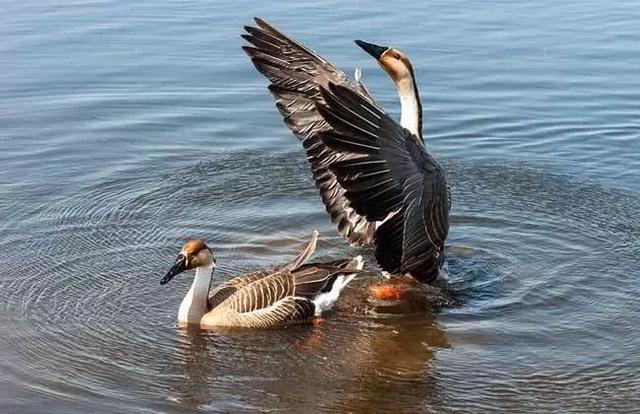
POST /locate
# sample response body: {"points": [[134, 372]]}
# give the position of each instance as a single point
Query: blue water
{"points": [[128, 127]]}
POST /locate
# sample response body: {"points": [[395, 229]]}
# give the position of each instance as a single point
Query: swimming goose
{"points": [[295, 292], [376, 179]]}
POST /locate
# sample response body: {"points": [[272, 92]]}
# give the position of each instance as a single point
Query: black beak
{"points": [[178, 267], [374, 50]]}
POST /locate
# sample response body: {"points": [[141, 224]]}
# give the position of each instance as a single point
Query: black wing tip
{"points": [[260, 25], [250, 51], [253, 33], [273, 88], [264, 25]]}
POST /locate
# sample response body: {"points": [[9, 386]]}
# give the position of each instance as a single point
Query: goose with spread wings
{"points": [[378, 182]]}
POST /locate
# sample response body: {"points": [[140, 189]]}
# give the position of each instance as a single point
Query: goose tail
{"points": [[355, 264], [325, 300]]}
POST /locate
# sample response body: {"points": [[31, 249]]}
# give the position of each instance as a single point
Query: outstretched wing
{"points": [[391, 179], [296, 74]]}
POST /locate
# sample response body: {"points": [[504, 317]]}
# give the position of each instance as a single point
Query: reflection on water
{"points": [[194, 389], [129, 127], [377, 366], [395, 366]]}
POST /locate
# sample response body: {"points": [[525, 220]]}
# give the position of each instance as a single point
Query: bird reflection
{"points": [[363, 358], [194, 391], [369, 359], [393, 362]]}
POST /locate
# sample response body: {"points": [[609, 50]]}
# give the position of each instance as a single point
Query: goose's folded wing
{"points": [[267, 302], [286, 310], [224, 290], [296, 74], [392, 179], [261, 293]]}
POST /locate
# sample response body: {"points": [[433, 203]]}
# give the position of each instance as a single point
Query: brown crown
{"points": [[193, 247]]}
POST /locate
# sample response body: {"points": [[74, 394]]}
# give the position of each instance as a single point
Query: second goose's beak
{"points": [[374, 50], [178, 267]]}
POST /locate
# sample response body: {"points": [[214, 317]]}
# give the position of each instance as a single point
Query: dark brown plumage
{"points": [[375, 177], [393, 179], [296, 74]]}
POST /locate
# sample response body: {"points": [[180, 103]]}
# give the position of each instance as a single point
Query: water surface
{"points": [[129, 127]]}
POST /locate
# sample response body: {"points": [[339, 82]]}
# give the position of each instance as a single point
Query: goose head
{"points": [[194, 254], [397, 65], [393, 61]]}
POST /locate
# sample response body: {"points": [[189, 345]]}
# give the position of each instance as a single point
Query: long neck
{"points": [[194, 305], [411, 117]]}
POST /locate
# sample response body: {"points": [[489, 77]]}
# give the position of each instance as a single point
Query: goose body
{"points": [[377, 181], [295, 292]]}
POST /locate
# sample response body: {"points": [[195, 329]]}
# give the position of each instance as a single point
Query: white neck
{"points": [[411, 107], [195, 304]]}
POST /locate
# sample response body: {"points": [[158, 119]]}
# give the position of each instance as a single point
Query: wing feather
{"points": [[224, 290], [390, 177], [267, 302], [287, 310], [296, 74], [304, 255], [261, 293]]}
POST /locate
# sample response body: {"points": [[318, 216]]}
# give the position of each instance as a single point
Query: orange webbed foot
{"points": [[389, 291]]}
